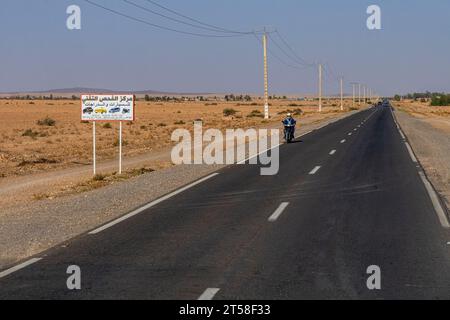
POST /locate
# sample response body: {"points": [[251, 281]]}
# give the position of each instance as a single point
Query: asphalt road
{"points": [[345, 205]]}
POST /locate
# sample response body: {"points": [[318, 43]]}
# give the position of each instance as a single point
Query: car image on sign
{"points": [[101, 110], [88, 110], [114, 110], [114, 107]]}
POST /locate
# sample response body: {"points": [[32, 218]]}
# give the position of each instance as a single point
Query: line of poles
{"points": [[365, 94]]}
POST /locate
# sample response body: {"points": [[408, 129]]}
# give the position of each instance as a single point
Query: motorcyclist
{"points": [[289, 124]]}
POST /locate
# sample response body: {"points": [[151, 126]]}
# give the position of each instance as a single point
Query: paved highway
{"points": [[347, 196]]}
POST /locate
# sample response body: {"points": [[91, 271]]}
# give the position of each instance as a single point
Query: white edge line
{"points": [[209, 294], [18, 267], [278, 212], [152, 204], [314, 171], [411, 153], [428, 186], [435, 200]]}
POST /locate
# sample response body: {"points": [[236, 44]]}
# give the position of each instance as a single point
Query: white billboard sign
{"points": [[107, 107]]}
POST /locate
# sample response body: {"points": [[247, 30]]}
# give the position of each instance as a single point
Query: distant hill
{"points": [[81, 90]]}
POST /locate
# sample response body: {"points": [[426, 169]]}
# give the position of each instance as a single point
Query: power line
{"points": [[285, 53], [297, 61], [287, 64], [180, 21], [303, 61], [330, 74], [159, 26], [220, 29]]}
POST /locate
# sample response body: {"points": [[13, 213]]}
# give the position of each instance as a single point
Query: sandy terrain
{"points": [[27, 147], [438, 117], [58, 157], [428, 130]]}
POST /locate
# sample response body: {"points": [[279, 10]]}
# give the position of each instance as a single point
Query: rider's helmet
{"points": [[289, 115]]}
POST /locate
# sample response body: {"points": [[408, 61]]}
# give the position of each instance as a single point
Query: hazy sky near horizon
{"points": [[410, 53]]}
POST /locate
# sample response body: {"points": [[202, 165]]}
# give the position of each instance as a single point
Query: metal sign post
{"points": [[120, 147], [94, 156]]}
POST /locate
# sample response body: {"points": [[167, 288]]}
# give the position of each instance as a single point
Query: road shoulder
{"points": [[432, 148]]}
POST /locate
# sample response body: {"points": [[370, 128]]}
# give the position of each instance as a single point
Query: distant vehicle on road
{"points": [[114, 110], [88, 110], [101, 110]]}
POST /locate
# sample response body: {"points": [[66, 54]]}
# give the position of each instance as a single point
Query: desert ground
{"points": [[42, 135], [438, 117], [46, 150]]}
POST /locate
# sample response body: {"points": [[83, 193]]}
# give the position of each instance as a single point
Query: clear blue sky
{"points": [[410, 53]]}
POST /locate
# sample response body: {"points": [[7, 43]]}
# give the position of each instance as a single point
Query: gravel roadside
{"points": [[432, 146]]}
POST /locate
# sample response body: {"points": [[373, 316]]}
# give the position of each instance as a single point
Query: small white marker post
{"points": [[120, 147], [94, 158]]}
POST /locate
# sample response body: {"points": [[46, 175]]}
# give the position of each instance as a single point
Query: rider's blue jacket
{"points": [[289, 122]]}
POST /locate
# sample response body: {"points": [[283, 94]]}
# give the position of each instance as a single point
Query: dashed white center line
{"points": [[355, 129], [350, 133], [332, 152], [314, 171], [209, 294], [278, 212], [18, 267], [343, 141]]}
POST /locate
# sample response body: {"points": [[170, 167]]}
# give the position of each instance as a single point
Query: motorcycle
{"points": [[289, 133]]}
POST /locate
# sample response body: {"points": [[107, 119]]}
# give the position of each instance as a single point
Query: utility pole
{"points": [[266, 79], [365, 100], [320, 87], [359, 94], [342, 94], [354, 90]]}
